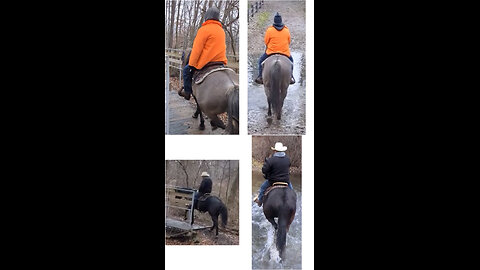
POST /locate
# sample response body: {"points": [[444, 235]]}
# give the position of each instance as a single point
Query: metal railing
{"points": [[175, 56], [175, 190], [167, 95]]}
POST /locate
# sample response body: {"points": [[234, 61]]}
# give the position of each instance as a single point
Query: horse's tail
{"points": [[275, 88], [282, 234], [224, 213], [232, 108]]}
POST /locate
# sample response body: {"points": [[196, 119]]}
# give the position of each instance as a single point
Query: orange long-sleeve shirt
{"points": [[277, 41], [209, 45]]}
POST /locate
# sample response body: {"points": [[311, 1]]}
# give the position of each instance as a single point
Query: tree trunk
{"points": [[228, 182], [184, 168], [172, 20], [176, 26]]}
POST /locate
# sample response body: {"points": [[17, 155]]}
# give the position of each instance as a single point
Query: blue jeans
{"points": [[264, 186], [265, 56], [187, 78]]}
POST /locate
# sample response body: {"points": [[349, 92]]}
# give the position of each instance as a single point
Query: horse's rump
{"points": [[263, 62], [200, 74], [274, 186], [198, 79]]}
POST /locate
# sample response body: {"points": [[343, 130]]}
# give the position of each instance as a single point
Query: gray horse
{"points": [[277, 70], [216, 94]]}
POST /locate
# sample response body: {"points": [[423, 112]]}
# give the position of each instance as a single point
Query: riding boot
{"points": [[184, 94], [259, 80], [259, 203]]}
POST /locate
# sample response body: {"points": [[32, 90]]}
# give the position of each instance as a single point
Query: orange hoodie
{"points": [[277, 41], [209, 45]]}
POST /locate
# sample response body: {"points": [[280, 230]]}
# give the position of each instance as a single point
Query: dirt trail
{"points": [[293, 112], [293, 16], [206, 237]]}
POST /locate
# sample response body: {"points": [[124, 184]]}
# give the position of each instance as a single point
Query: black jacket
{"points": [[206, 185], [276, 169]]}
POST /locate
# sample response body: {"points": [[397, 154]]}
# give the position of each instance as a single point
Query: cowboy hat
{"points": [[205, 174], [279, 147]]}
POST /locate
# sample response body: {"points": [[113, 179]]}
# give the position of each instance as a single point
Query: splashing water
{"points": [[264, 251]]}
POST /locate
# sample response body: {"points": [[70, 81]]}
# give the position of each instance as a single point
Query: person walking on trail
{"points": [[275, 169], [205, 186], [208, 46], [277, 40]]}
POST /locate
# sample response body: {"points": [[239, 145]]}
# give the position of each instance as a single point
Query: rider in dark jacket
{"points": [[205, 185], [275, 169]]}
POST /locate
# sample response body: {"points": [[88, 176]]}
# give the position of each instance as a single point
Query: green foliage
{"points": [[263, 18]]}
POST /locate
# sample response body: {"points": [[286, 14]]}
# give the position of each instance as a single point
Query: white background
{"points": [[239, 147]]}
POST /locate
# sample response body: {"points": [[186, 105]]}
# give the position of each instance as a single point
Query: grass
{"points": [[262, 19]]}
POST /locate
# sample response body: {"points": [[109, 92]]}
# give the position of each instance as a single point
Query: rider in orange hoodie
{"points": [[208, 46], [277, 40]]}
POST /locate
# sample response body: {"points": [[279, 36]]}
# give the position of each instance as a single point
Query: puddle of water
{"points": [[293, 112]]}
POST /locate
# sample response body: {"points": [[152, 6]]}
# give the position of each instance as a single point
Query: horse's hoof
{"points": [[201, 127], [214, 127], [195, 116], [269, 120]]}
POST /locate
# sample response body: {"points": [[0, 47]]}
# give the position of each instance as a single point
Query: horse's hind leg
{"points": [[216, 122], [272, 220], [197, 112], [269, 108], [215, 224]]}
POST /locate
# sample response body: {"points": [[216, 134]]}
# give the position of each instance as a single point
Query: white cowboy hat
{"points": [[205, 174], [279, 147]]}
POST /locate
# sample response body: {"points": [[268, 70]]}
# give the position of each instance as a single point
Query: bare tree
{"points": [[184, 167], [172, 20]]}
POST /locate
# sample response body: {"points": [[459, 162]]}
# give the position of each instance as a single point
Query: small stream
{"points": [[293, 112], [264, 251]]}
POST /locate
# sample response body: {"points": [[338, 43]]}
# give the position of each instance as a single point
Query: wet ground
{"points": [[293, 113], [180, 113], [264, 252]]}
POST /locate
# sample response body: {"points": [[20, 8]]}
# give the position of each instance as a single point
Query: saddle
{"points": [[263, 63], [200, 75], [204, 197], [274, 186]]}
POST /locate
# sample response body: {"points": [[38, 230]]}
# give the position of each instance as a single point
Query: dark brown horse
{"points": [[216, 94], [214, 206], [277, 70], [280, 203]]}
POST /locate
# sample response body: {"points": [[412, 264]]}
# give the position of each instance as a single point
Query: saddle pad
{"points": [[274, 187], [202, 77], [263, 62]]}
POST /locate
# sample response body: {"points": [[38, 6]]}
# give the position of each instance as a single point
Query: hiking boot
{"points": [[184, 94], [259, 80], [292, 80]]}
